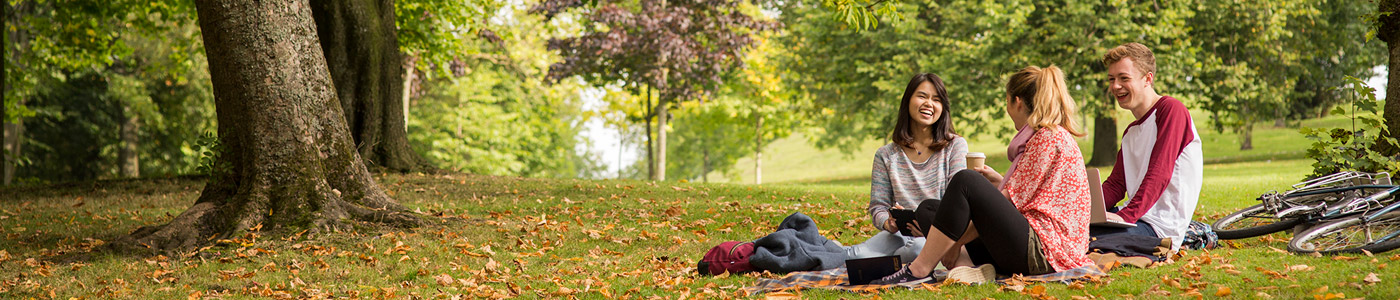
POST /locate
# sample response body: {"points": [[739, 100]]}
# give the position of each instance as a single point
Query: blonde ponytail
{"points": [[1049, 101]]}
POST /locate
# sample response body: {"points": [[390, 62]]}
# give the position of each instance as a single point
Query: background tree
{"points": [[362, 52], [137, 66], [972, 45], [1388, 30], [288, 161], [499, 117], [680, 48], [1332, 52]]}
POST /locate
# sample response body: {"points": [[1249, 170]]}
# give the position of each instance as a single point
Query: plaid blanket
{"points": [[835, 279]]}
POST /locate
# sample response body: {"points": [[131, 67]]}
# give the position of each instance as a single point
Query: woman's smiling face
{"points": [[925, 107]]}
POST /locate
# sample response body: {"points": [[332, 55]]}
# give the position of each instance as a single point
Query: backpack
{"points": [[1199, 236], [732, 257]]}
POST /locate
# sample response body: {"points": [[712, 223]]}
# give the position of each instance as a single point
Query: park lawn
{"points": [[541, 238]]}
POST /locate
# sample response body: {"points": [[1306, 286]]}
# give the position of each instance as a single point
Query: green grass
{"points": [[545, 238]]}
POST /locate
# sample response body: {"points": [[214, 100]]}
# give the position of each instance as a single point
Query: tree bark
{"points": [[662, 114], [1389, 32], [1105, 140], [288, 161], [360, 42], [11, 144], [758, 150], [651, 160], [128, 156], [705, 165], [1247, 136]]}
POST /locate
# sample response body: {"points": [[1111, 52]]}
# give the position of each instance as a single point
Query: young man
{"points": [[1158, 170]]}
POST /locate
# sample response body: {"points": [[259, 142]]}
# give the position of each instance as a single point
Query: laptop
{"points": [[1097, 213], [864, 270]]}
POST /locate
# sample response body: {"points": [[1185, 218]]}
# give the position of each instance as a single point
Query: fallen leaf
{"points": [[1320, 290], [1343, 258], [1371, 278], [782, 296], [492, 265], [675, 211], [1222, 291], [1295, 268], [1193, 293], [1038, 290], [444, 279], [1271, 273], [1329, 296]]}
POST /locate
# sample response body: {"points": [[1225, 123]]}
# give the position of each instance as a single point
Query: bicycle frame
{"points": [[1281, 206], [1372, 215], [1350, 177]]}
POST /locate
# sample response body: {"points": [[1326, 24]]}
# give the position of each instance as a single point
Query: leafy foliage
{"points": [[163, 83], [441, 33], [44, 39], [1241, 61], [682, 48], [1354, 149], [752, 109], [855, 78], [862, 14], [499, 118]]}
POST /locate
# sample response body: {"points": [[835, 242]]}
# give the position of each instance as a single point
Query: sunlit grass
{"points": [[542, 238]]}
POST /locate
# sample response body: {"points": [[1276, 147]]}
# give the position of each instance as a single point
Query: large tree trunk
{"points": [[362, 51], [128, 156], [288, 161], [1105, 140], [1389, 32]]}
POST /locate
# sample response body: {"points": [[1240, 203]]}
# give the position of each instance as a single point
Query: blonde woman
{"points": [[1033, 221]]}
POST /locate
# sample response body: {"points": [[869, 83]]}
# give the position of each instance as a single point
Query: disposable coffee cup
{"points": [[975, 160]]}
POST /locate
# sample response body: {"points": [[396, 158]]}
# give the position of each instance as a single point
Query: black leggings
{"points": [[1003, 232]]}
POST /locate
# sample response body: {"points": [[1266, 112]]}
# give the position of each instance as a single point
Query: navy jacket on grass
{"points": [[796, 246]]}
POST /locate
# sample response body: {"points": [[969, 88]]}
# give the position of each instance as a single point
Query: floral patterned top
{"points": [[1050, 188]]}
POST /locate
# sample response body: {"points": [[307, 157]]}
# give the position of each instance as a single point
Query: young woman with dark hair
{"points": [[915, 166]]}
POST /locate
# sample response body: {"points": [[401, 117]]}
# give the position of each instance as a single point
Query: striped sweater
{"points": [[894, 178]]}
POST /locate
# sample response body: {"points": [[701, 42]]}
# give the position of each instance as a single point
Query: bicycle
{"points": [[1370, 230], [1303, 204]]}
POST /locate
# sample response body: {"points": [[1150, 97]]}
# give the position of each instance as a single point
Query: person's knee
{"points": [[967, 174]]}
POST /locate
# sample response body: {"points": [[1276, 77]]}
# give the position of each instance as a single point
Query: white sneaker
{"points": [[974, 276]]}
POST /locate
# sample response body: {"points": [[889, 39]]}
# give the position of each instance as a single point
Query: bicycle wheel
{"points": [[1349, 235], [1251, 222]]}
